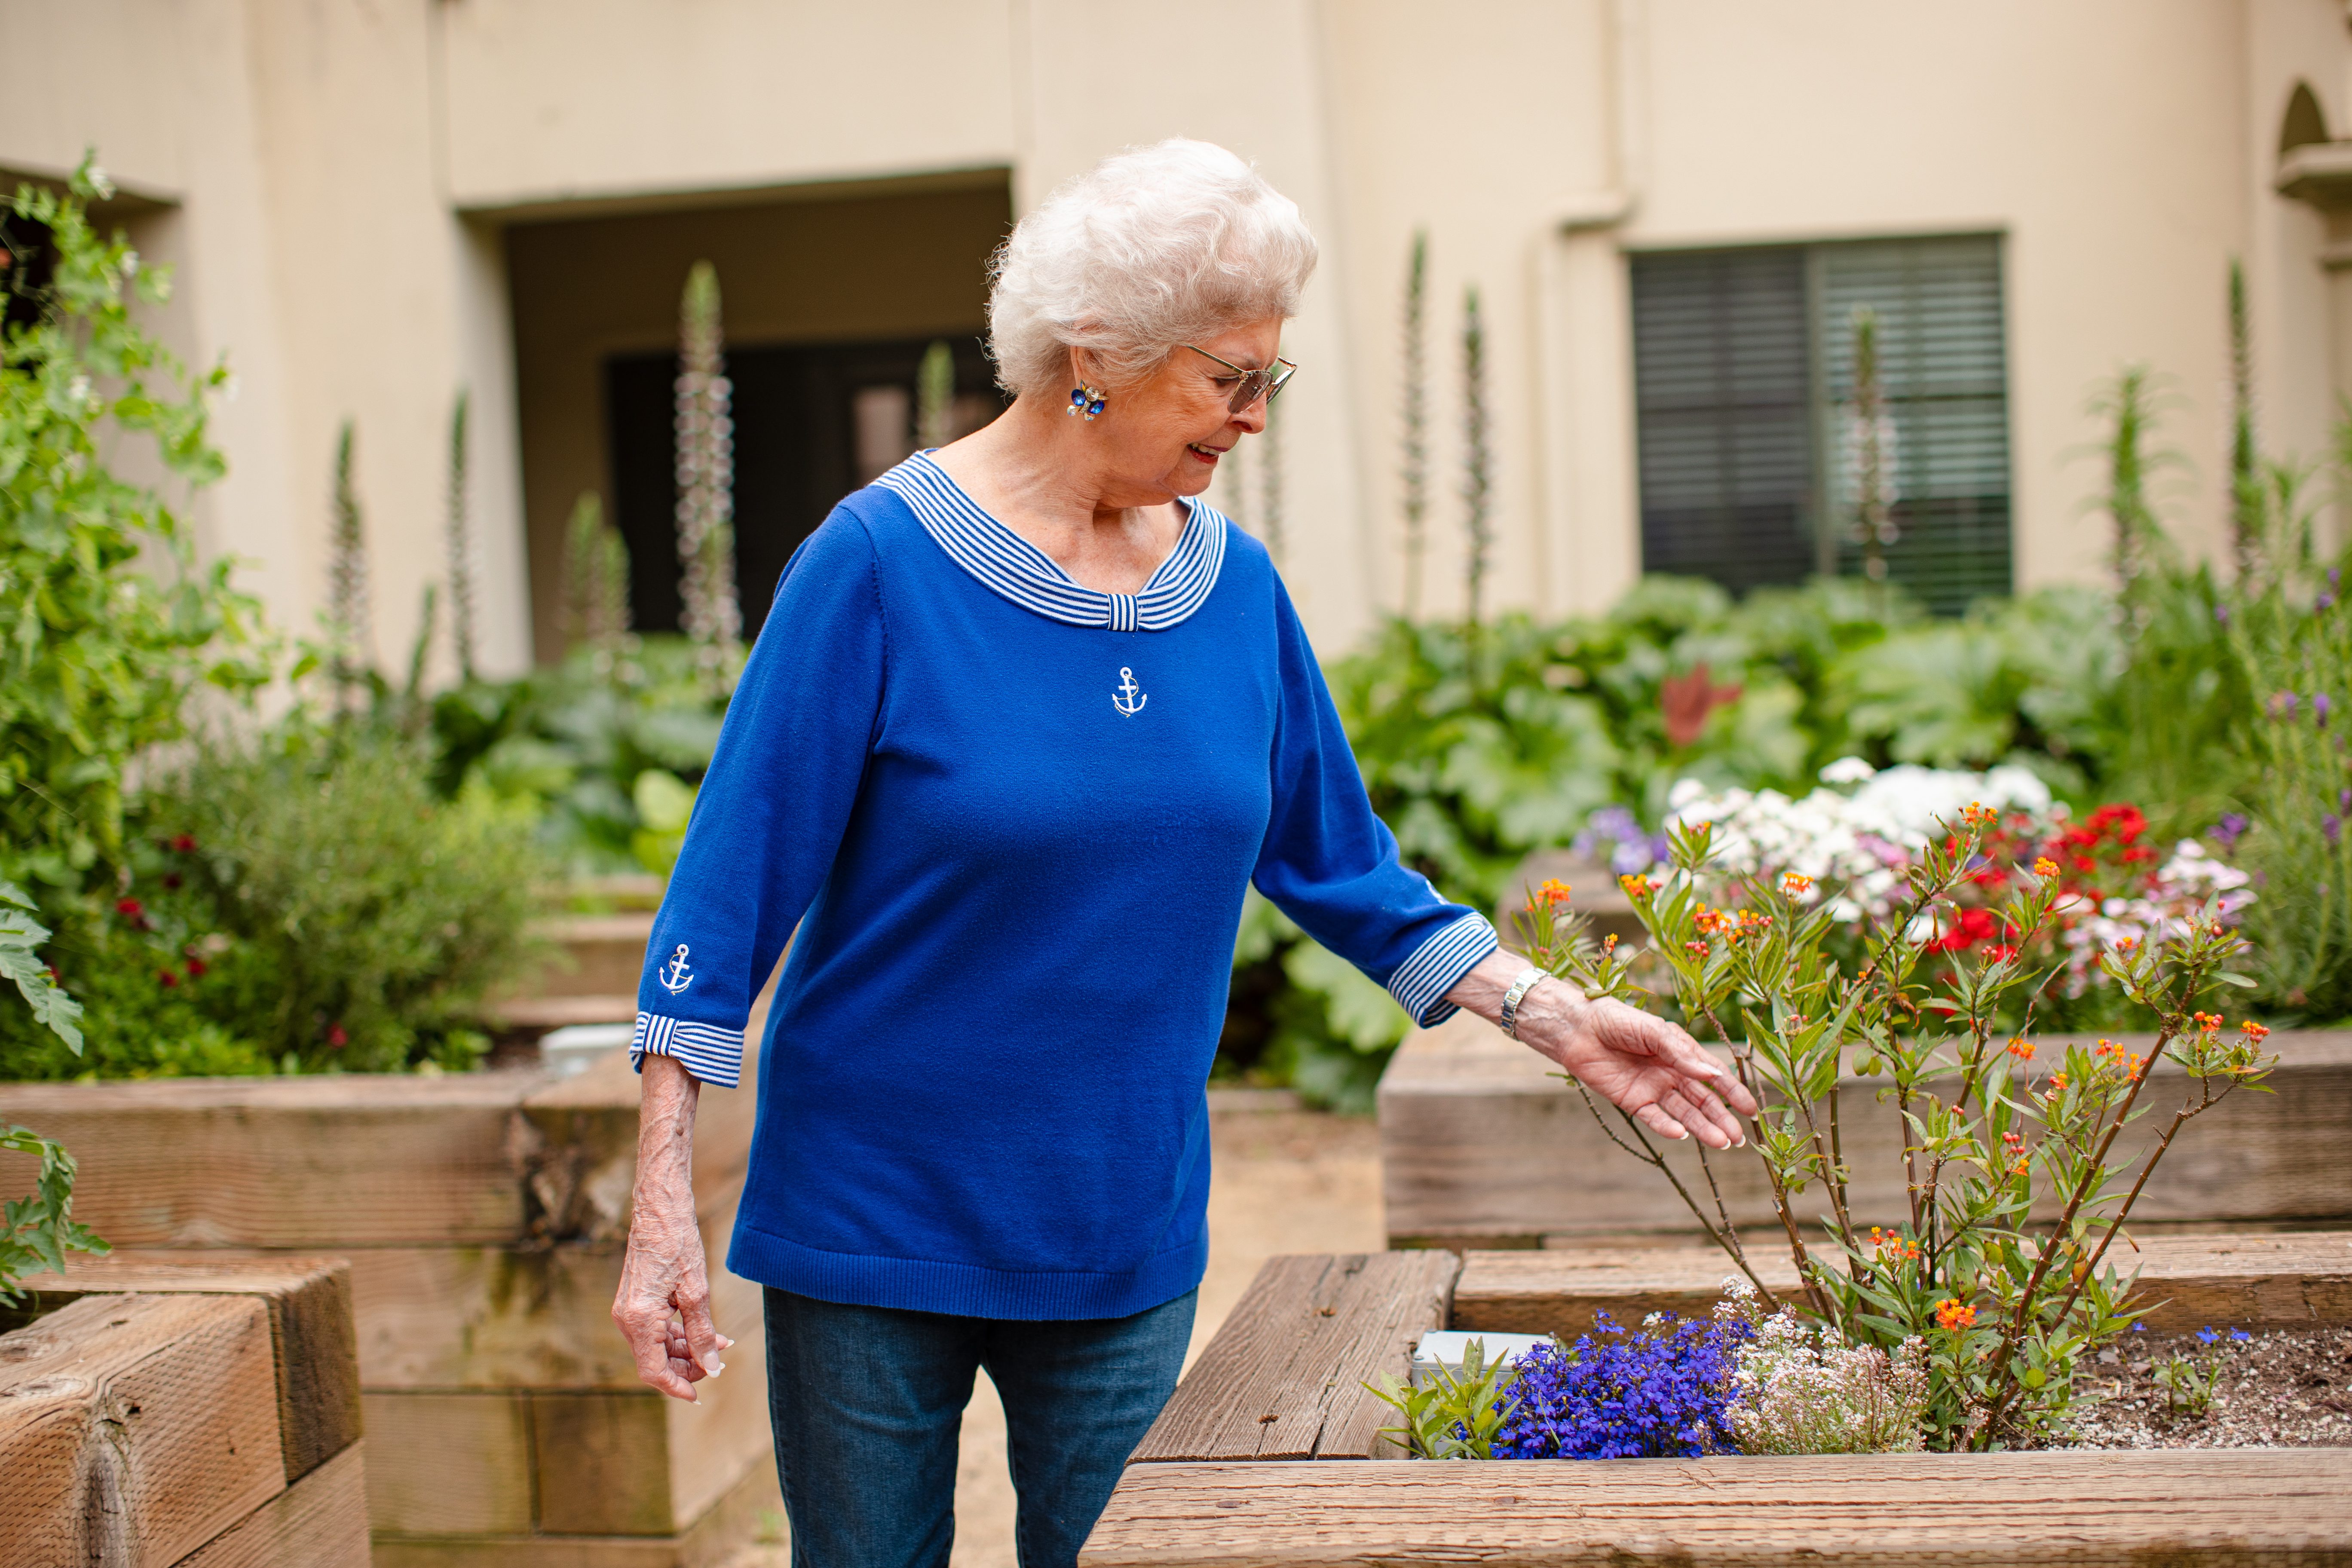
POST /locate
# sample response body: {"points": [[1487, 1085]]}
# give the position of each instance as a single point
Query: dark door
{"points": [[811, 423]]}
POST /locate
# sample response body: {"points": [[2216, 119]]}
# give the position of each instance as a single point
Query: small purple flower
{"points": [[2139, 1328], [2222, 614], [2324, 602], [2240, 1335], [2206, 1336], [2320, 706], [2282, 705], [2332, 825], [2233, 828], [1662, 1393], [2343, 801]]}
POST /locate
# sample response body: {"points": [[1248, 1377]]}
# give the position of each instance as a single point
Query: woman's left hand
{"points": [[1647, 1068]]}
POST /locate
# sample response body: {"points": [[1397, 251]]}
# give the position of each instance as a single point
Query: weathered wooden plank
{"points": [[1863, 1511], [449, 1464], [750, 1509], [604, 1463], [311, 1329], [363, 1160], [1479, 1142], [134, 1429], [599, 954], [1282, 1378], [2255, 1281], [320, 1162], [319, 1521]]}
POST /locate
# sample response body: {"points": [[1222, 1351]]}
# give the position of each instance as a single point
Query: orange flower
{"points": [[1976, 815], [1953, 1316], [2045, 867], [2254, 1032], [1695, 949], [2126, 944], [1553, 891], [1636, 887], [2057, 1083], [2207, 1021], [1795, 886], [1609, 945], [2021, 1047]]}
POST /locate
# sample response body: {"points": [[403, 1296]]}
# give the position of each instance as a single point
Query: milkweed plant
{"points": [[2010, 1184]]}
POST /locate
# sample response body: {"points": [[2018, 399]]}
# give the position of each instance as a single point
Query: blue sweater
{"points": [[1012, 819]]}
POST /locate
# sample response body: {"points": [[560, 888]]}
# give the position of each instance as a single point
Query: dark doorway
{"points": [[812, 423]]}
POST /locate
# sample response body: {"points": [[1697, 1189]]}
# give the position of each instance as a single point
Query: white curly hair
{"points": [[1149, 248]]}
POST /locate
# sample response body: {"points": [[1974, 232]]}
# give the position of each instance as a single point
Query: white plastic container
{"points": [[1449, 1347], [571, 1049]]}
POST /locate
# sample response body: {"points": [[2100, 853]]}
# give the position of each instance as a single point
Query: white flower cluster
{"points": [[1802, 1390], [2182, 885], [1858, 833]]}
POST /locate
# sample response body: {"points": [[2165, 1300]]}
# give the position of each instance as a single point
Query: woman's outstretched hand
{"points": [[663, 1307], [1647, 1068]]}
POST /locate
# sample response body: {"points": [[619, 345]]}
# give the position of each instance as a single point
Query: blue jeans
{"points": [[867, 1404]]}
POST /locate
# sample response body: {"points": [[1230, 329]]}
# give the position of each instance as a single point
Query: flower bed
{"points": [[1203, 1488], [484, 1216]]}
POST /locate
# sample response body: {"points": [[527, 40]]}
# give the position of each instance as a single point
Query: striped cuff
{"points": [[1421, 981], [713, 1054]]}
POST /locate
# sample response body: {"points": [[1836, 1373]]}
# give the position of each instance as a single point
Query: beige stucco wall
{"points": [[343, 180]]}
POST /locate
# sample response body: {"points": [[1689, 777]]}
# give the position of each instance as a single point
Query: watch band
{"points": [[1516, 994]]}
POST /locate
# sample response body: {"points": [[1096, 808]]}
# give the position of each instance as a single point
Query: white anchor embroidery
{"points": [[1129, 698], [675, 976]]}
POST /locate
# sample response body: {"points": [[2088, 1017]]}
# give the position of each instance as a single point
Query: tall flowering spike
{"points": [[595, 578], [347, 578], [461, 544], [1871, 450], [1477, 456], [1413, 434], [935, 397], [705, 475]]}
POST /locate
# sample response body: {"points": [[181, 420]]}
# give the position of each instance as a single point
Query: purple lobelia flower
{"points": [[2229, 829], [1663, 1392]]}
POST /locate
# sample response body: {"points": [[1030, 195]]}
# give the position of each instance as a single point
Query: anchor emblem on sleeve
{"points": [[675, 976], [1129, 698]]}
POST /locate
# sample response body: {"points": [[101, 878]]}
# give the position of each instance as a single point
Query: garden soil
{"points": [[2285, 1388], [1287, 1181]]}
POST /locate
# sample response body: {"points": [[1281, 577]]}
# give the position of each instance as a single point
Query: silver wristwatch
{"points": [[1517, 994]]}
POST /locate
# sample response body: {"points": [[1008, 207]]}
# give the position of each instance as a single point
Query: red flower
{"points": [[129, 908], [183, 842], [336, 1038], [167, 977], [172, 880], [196, 967], [2000, 952]]}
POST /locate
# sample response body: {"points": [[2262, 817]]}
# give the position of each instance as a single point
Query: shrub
{"points": [[309, 905], [114, 629], [1662, 1393], [1986, 1138]]}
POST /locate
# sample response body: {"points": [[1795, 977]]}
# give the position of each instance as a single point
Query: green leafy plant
{"points": [[21, 935], [1451, 1417], [40, 1228], [1749, 965], [109, 627]]}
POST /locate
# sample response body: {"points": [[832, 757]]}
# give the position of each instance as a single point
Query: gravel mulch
{"points": [[2277, 1388]]}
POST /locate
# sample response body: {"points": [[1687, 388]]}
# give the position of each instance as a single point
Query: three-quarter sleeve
{"points": [[773, 806], [1330, 863]]}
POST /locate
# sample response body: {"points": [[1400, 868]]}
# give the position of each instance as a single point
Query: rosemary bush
{"points": [[2006, 1304]]}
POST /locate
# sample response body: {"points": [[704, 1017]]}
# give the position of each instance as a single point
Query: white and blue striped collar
{"points": [[1025, 574]]}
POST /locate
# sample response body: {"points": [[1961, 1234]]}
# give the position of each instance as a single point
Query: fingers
{"points": [[1659, 1123], [692, 1299], [647, 1331], [1697, 1120]]}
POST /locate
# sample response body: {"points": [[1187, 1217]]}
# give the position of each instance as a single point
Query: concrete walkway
{"points": [[1287, 1181]]}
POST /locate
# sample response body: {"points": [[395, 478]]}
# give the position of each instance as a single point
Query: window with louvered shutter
{"points": [[1744, 378]]}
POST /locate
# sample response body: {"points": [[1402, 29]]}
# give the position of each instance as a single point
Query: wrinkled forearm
{"points": [[1547, 1004], [666, 1139]]}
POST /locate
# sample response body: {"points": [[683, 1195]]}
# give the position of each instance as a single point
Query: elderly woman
{"points": [[1027, 721]]}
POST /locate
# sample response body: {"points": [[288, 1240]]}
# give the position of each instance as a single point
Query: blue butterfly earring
{"points": [[1087, 400]]}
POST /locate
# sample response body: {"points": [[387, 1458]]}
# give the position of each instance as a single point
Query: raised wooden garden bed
{"points": [[1291, 1360], [484, 1217], [208, 1416], [1480, 1147]]}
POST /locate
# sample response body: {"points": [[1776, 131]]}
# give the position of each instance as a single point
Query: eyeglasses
{"points": [[1254, 383]]}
